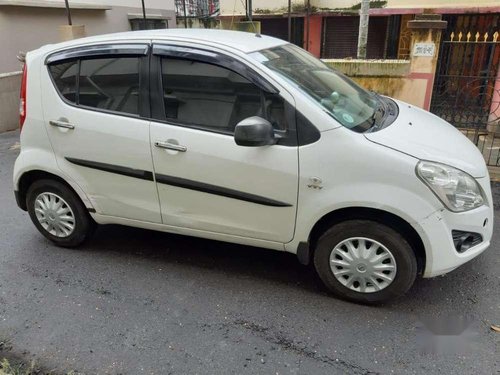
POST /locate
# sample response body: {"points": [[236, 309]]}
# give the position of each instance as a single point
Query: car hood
{"points": [[427, 137]]}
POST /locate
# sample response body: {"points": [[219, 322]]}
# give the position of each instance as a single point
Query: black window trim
{"points": [[215, 58], [98, 51], [151, 106], [114, 50]]}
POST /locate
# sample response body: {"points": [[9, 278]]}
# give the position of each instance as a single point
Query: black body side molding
{"points": [[124, 171], [178, 182], [218, 190]]}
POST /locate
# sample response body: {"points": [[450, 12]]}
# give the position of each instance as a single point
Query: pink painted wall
{"points": [[315, 23]]}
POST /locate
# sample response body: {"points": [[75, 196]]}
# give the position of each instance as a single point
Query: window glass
{"points": [[111, 84], [64, 76], [342, 98], [201, 94]]}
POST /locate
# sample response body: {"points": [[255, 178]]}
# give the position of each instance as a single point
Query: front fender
{"points": [[355, 172]]}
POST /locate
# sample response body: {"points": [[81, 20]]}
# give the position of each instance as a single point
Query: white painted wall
{"points": [[334, 4], [150, 4]]}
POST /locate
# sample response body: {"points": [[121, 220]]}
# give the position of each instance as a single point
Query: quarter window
{"points": [[209, 96]]}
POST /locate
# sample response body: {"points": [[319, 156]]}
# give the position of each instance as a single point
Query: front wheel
{"points": [[365, 261], [58, 213]]}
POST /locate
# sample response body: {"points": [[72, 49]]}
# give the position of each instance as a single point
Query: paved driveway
{"points": [[133, 301]]}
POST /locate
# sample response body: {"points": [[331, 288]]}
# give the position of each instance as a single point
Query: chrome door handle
{"points": [[61, 124], [170, 146]]}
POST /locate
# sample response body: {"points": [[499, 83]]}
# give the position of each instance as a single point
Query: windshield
{"points": [[344, 100]]}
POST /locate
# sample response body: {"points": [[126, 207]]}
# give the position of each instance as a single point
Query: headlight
{"points": [[456, 189]]}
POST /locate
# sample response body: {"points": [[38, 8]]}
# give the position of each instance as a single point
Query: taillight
{"points": [[22, 101]]}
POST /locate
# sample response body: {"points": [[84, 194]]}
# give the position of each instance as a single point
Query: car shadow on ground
{"points": [[207, 255], [244, 261]]}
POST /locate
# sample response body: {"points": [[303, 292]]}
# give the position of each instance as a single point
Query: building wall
{"points": [[9, 101], [394, 78], [336, 4], [24, 28], [441, 3], [229, 7], [315, 26]]}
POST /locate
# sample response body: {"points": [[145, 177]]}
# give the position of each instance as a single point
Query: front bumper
{"points": [[436, 233]]}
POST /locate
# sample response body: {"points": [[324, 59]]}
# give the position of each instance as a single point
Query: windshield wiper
{"points": [[379, 113]]}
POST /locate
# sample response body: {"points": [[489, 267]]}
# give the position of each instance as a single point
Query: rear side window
{"points": [[110, 84], [213, 97]]}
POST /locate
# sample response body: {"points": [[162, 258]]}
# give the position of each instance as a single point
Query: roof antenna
{"points": [[249, 16]]}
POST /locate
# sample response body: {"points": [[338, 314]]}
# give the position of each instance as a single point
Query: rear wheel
{"points": [[365, 261], [58, 213]]}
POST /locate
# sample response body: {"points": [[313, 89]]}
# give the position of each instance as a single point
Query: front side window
{"points": [[212, 97], [344, 100], [110, 84]]}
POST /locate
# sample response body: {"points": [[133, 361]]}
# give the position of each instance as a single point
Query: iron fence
{"points": [[466, 89]]}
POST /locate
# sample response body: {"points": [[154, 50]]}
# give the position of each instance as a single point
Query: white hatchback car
{"points": [[247, 139]]}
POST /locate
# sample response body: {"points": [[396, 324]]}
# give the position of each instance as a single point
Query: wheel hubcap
{"points": [[363, 265], [54, 214]]}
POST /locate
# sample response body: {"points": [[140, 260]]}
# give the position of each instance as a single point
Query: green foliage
{"points": [[21, 369], [373, 4], [7, 368], [262, 11]]}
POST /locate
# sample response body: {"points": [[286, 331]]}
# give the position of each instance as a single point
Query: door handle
{"points": [[170, 146], [61, 124]]}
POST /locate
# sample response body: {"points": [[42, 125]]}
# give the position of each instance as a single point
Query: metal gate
{"points": [[466, 89]]}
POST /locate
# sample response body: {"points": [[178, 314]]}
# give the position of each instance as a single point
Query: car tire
{"points": [[58, 213], [365, 278]]}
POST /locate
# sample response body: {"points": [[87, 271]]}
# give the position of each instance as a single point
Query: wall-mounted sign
{"points": [[424, 49]]}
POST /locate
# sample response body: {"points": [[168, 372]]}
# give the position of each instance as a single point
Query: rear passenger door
{"points": [[205, 180], [96, 109]]}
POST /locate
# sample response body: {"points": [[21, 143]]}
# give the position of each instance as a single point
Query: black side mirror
{"points": [[254, 131]]}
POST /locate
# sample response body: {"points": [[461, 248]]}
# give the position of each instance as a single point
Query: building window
{"points": [[151, 24]]}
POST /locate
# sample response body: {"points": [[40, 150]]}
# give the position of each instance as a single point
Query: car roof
{"points": [[243, 41]]}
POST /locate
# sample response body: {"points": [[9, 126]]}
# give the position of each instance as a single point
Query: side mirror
{"points": [[253, 132]]}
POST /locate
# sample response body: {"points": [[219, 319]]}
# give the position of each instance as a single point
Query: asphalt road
{"points": [[133, 301]]}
